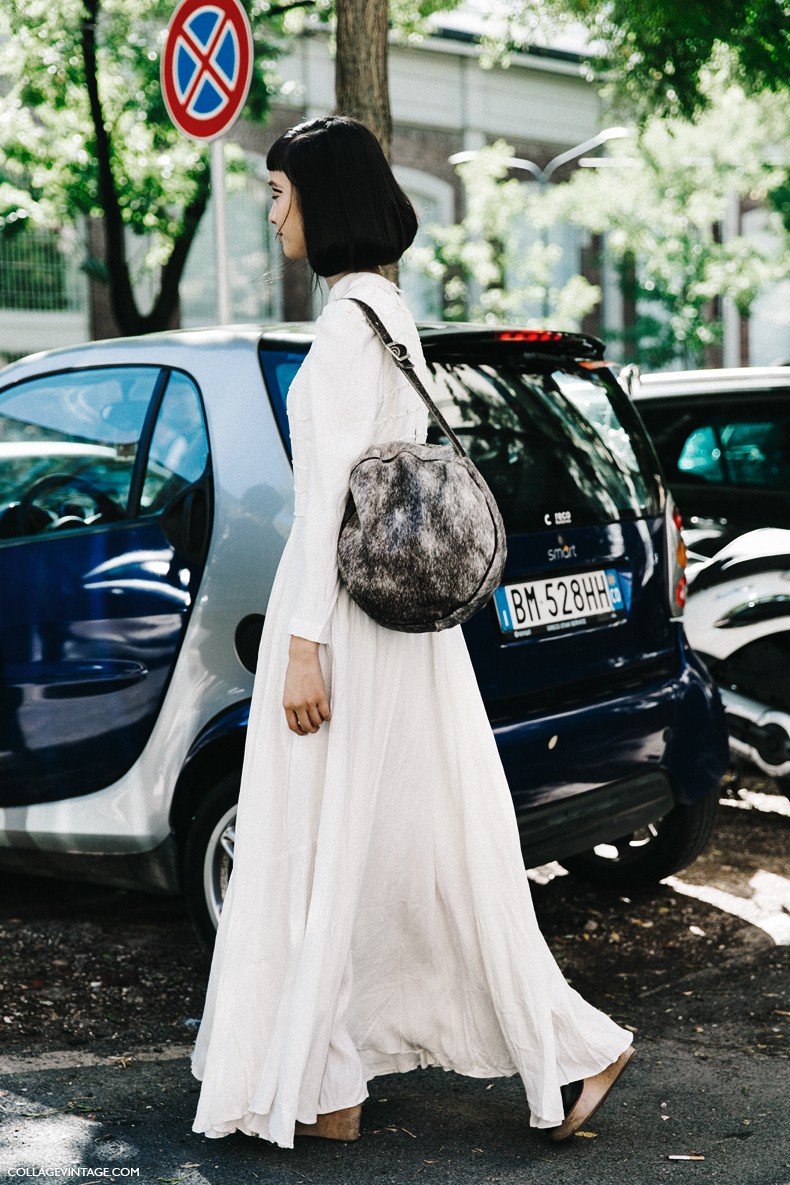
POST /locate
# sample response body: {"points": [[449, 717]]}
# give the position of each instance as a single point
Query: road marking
{"points": [[753, 800], [768, 907]]}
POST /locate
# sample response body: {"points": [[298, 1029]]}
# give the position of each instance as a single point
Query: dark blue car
{"points": [[145, 498]]}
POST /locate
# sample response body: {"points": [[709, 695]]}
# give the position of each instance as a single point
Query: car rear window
{"points": [[559, 445]]}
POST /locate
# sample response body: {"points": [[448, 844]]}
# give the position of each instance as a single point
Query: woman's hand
{"points": [[304, 696]]}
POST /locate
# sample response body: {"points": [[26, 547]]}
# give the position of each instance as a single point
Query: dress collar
{"points": [[361, 280]]}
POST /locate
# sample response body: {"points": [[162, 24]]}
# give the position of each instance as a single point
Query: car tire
{"points": [[645, 857], [208, 855]]}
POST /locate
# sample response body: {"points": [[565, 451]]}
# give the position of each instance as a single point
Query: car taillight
{"points": [[676, 560], [529, 335]]}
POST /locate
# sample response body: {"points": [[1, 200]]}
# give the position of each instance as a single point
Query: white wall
{"points": [[26, 332]]}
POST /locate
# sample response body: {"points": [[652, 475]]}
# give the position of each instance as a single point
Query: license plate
{"points": [[562, 603]]}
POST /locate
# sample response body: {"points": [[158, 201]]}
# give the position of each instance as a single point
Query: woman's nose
{"points": [[272, 218]]}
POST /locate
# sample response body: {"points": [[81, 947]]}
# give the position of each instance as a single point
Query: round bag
{"points": [[422, 543]]}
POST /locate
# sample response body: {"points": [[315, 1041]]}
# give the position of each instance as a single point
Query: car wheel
{"points": [[208, 855], [646, 856]]}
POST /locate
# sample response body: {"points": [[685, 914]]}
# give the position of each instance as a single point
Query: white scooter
{"points": [[738, 620]]}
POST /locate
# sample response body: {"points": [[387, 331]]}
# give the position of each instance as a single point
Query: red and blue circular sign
{"points": [[207, 66]]}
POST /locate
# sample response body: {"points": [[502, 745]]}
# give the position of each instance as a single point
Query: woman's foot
{"points": [[582, 1100], [334, 1125]]}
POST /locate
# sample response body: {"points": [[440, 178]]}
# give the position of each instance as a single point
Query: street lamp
{"points": [[542, 176]]}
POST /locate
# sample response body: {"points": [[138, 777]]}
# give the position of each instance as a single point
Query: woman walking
{"points": [[378, 917]]}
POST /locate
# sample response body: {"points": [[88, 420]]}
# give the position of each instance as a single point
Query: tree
{"points": [[662, 205], [361, 62], [662, 48], [655, 54], [86, 133], [488, 269]]}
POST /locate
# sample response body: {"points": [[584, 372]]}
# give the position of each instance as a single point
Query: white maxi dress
{"points": [[378, 917]]}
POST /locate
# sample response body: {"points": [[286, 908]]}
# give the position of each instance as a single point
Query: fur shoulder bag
{"points": [[422, 543]]}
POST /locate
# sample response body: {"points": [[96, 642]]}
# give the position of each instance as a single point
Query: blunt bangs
{"points": [[355, 214]]}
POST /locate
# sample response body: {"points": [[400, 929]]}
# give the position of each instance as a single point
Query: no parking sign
{"points": [[207, 66]]}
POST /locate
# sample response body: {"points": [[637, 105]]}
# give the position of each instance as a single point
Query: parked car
{"points": [[146, 495], [723, 438]]}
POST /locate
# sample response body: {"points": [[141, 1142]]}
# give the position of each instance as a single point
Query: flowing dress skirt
{"points": [[378, 917]]}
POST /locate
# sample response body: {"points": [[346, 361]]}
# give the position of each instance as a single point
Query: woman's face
{"points": [[286, 216]]}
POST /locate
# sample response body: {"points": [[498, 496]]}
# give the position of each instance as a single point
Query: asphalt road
{"points": [[703, 983]]}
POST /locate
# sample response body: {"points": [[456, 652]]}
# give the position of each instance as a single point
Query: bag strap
{"points": [[404, 363]]}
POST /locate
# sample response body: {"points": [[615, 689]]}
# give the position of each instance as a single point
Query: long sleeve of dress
{"points": [[342, 390]]}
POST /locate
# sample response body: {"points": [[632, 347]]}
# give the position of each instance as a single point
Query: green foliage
{"points": [[409, 16], [779, 199], [48, 141], [487, 270], [48, 152], [662, 48], [656, 53], [663, 203]]}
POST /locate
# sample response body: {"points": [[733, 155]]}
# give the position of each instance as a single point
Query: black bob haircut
{"points": [[356, 217]]}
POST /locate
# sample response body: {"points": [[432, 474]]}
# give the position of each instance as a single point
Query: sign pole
{"points": [[220, 230]]}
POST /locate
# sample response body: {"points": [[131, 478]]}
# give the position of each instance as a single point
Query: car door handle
{"points": [[73, 680]]}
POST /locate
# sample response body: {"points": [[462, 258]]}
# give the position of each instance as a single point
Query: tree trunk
{"points": [[126, 314], [166, 303], [361, 65], [362, 72], [124, 307]]}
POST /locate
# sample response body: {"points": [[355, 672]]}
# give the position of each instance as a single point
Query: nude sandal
{"points": [[333, 1125], [593, 1092]]}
